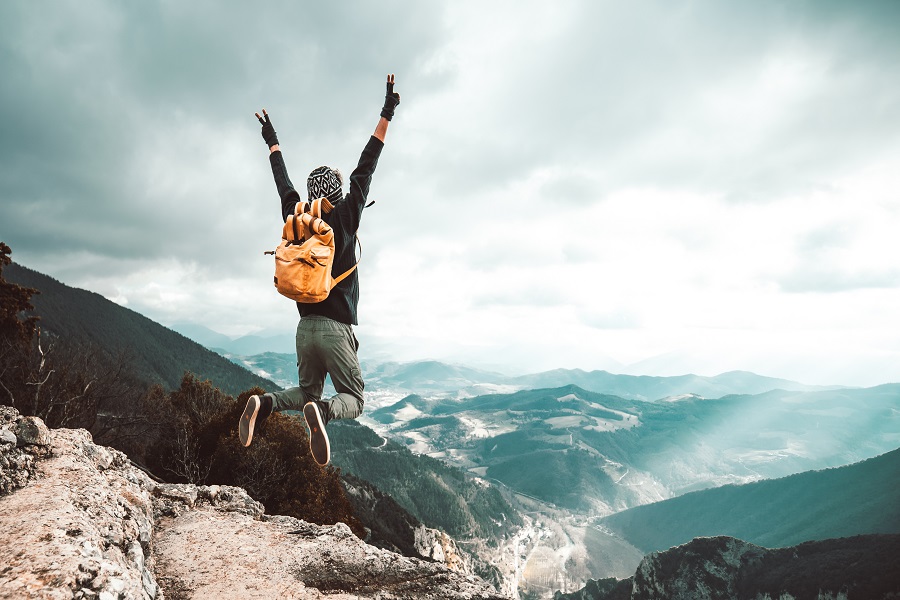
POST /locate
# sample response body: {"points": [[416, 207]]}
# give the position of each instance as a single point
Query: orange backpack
{"points": [[303, 259]]}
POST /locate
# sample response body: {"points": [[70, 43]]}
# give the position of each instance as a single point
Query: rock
{"points": [[8, 437], [16, 463], [706, 568], [8, 415], [234, 499], [101, 457], [208, 492], [436, 545], [16, 468], [171, 499], [180, 492], [31, 431]]}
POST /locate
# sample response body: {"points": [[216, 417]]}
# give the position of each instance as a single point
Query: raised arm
{"points": [[289, 196], [368, 160]]}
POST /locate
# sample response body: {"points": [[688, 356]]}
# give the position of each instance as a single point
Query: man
{"points": [[325, 339]]}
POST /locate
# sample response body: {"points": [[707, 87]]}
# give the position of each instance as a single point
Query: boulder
{"points": [[31, 431]]}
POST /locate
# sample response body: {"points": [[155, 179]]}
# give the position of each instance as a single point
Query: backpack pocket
{"points": [[303, 272]]}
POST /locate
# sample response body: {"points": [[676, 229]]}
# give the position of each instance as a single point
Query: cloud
{"points": [[617, 319], [563, 182], [138, 118], [819, 278]]}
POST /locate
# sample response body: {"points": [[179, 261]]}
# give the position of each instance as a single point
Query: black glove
{"points": [[268, 132], [391, 99]]}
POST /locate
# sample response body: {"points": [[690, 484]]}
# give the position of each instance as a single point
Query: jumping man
{"points": [[326, 343]]}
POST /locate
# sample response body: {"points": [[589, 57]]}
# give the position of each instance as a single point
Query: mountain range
{"points": [[426, 377], [472, 451], [391, 381], [245, 345], [600, 453]]}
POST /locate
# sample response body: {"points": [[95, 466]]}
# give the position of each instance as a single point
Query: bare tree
{"points": [[70, 383], [260, 473], [186, 461]]}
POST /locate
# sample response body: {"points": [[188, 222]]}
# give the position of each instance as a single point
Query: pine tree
{"points": [[16, 335], [14, 300]]}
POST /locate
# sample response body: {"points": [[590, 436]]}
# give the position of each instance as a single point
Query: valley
{"points": [[566, 457]]}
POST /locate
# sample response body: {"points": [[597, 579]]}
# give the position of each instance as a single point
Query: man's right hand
{"points": [[268, 132]]}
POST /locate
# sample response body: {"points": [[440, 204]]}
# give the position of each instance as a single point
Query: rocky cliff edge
{"points": [[725, 568], [78, 520]]}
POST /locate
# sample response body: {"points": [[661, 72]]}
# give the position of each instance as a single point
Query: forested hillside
{"points": [[155, 354], [857, 499], [439, 495]]}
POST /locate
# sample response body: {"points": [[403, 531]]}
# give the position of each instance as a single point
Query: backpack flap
{"points": [[321, 206]]}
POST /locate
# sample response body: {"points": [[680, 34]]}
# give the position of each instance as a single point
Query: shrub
{"points": [[195, 440]]}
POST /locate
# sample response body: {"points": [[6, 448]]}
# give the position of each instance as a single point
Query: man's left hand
{"points": [[391, 99]]}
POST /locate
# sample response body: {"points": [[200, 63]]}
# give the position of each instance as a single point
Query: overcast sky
{"points": [[646, 187]]}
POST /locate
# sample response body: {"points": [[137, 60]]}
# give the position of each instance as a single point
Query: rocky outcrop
{"points": [[81, 528], [725, 568], [21, 440], [392, 527], [204, 553], [704, 569], [78, 520]]}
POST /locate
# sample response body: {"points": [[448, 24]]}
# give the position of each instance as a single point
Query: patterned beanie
{"points": [[325, 182]]}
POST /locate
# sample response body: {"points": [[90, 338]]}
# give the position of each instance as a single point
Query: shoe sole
{"points": [[319, 446], [248, 420]]}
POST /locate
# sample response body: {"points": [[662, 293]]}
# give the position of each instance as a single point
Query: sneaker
{"points": [[318, 439], [256, 412]]}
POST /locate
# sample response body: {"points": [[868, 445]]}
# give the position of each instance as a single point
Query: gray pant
{"points": [[325, 346]]}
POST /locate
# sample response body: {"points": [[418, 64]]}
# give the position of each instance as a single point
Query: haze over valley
{"points": [[548, 480]]}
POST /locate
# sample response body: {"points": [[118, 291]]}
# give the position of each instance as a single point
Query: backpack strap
{"points": [[293, 225], [314, 222], [342, 276]]}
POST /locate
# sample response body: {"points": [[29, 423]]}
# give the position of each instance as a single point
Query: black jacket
{"points": [[342, 302]]}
